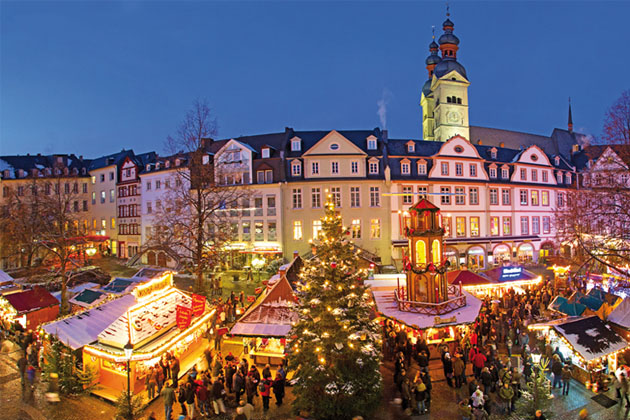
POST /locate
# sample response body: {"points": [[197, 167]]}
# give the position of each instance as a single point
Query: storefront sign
{"points": [[437, 320], [183, 317], [510, 273], [198, 304], [153, 286]]}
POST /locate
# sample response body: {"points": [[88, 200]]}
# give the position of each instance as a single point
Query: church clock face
{"points": [[454, 116]]}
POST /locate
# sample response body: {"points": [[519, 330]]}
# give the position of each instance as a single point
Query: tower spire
{"points": [[570, 123]]}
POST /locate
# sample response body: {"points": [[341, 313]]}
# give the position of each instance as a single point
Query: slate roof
{"points": [[357, 137], [560, 141], [28, 162], [108, 160], [30, 300]]}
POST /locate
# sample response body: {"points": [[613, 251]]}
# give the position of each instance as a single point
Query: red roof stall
{"points": [[29, 307]]}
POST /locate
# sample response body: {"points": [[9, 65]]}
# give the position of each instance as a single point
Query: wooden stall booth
{"points": [[30, 307]]}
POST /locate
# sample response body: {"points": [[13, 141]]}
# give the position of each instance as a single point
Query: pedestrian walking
{"points": [[22, 364], [168, 395], [265, 392], [506, 393], [566, 379], [151, 383], [218, 392], [278, 388]]}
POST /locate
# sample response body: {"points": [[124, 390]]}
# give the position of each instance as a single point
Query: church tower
{"points": [[426, 278], [427, 100], [449, 90]]}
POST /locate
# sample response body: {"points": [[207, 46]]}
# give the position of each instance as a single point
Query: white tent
{"points": [[621, 314], [5, 277]]}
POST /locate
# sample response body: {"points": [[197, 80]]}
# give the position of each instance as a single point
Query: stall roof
{"points": [[621, 314], [119, 285], [561, 304], [30, 300], [83, 328], [76, 289], [466, 278], [272, 316], [591, 302], [4, 277], [150, 272], [87, 297], [591, 337], [509, 273]]}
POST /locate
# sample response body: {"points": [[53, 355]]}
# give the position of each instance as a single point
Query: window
{"points": [[334, 167], [260, 177], [245, 207], [559, 178], [46, 190], [493, 153], [546, 224], [445, 197], [523, 174], [272, 231], [158, 206], [111, 176], [545, 176], [474, 226], [505, 173], [534, 198], [524, 225], [75, 206], [355, 197], [535, 225], [258, 205], [507, 226], [149, 207], [295, 145], [85, 188], [375, 197], [93, 197], [148, 186], [297, 230], [493, 172], [317, 228], [534, 175], [271, 205], [355, 229], [103, 223], [336, 196], [422, 192], [560, 199], [446, 224], [316, 198], [460, 226], [375, 228], [505, 197], [102, 177], [259, 232], [113, 223], [460, 196], [405, 168], [93, 179], [459, 169], [371, 144], [524, 197], [567, 178], [265, 153], [315, 168], [66, 188], [296, 169], [297, 198], [102, 197], [473, 194], [112, 195], [158, 184], [544, 198], [494, 196], [354, 167], [444, 168], [408, 195], [411, 147], [473, 170], [373, 168], [422, 168], [494, 226], [247, 231]]}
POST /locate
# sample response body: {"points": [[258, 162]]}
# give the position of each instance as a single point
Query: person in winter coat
{"points": [[278, 388], [406, 393], [190, 400], [168, 395], [420, 393], [447, 364], [250, 389], [465, 410], [202, 398], [181, 398], [478, 361], [566, 375], [217, 367], [556, 369], [253, 372], [477, 398], [426, 378], [151, 383], [266, 371], [486, 380], [217, 395], [265, 392], [238, 384], [174, 366], [506, 393], [459, 371], [423, 360]]}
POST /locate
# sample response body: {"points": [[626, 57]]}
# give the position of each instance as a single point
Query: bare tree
{"points": [[617, 122], [194, 220]]}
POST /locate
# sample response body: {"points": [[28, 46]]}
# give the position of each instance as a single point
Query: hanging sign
{"points": [[183, 316], [198, 304], [510, 273]]}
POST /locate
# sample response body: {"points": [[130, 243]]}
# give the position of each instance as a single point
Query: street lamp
{"points": [[258, 263], [128, 352]]}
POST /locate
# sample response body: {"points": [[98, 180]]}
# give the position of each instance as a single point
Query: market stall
{"points": [[588, 343], [511, 277], [29, 307], [474, 283], [265, 326]]}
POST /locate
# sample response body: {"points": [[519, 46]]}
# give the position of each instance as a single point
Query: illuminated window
{"points": [[446, 224], [247, 231], [435, 251], [460, 226], [494, 226], [544, 198], [474, 226], [534, 198], [375, 228], [317, 228], [421, 252], [356, 228], [507, 226]]}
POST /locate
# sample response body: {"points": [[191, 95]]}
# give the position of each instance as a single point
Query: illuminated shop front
{"points": [[502, 253], [476, 258], [525, 253]]}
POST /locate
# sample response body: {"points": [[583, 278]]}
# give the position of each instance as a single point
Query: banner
{"points": [[183, 316], [251, 298], [198, 304]]}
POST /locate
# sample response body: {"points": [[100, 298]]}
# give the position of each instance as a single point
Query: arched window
{"points": [[437, 255], [421, 252], [459, 101], [448, 99], [454, 99]]}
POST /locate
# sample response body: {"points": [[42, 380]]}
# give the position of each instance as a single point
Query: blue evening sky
{"points": [[94, 77]]}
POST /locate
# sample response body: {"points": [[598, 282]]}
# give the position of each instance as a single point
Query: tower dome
{"points": [[446, 66], [426, 88]]}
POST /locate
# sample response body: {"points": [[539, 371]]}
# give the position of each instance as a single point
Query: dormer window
{"points": [[505, 173], [57, 171], [373, 167], [20, 173], [559, 177], [34, 172], [66, 171], [371, 143], [157, 165], [7, 174], [567, 178], [178, 162], [296, 168], [405, 167], [422, 167], [493, 172], [265, 152], [296, 145], [205, 159], [411, 147], [493, 153], [556, 160]]}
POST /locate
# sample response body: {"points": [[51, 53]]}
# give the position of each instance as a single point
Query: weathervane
{"points": [[433, 31], [448, 10]]}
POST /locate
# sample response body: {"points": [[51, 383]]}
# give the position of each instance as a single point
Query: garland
{"points": [[413, 232], [421, 269]]}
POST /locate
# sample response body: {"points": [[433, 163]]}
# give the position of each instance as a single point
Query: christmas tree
{"points": [[60, 360], [537, 393], [335, 351], [128, 406]]}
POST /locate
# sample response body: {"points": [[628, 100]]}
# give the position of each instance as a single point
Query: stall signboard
{"points": [[251, 298], [154, 285], [183, 316], [198, 304], [510, 273]]}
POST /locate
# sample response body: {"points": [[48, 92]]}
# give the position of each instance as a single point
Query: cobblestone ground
{"points": [[16, 404]]}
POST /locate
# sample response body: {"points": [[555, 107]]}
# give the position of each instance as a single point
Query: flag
{"points": [[183, 316], [198, 304]]}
